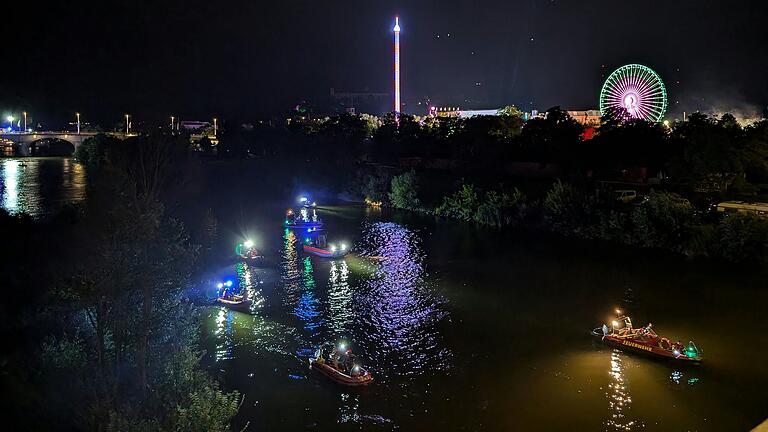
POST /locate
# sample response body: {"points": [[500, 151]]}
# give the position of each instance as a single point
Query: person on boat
{"points": [[334, 357], [349, 360]]}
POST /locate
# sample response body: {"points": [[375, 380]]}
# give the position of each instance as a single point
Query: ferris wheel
{"points": [[637, 89]]}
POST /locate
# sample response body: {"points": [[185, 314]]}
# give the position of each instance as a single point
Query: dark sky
{"points": [[248, 58]]}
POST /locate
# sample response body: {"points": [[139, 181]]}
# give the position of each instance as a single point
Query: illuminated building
{"points": [[587, 118], [396, 29]]}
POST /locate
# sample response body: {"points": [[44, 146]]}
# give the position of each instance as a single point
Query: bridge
{"points": [[25, 143]]}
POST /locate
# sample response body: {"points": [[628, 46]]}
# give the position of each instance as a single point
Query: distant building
{"points": [[457, 112], [194, 125], [587, 118]]}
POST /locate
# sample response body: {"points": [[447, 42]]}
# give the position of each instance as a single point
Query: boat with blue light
{"points": [[226, 296], [304, 220], [644, 340]]}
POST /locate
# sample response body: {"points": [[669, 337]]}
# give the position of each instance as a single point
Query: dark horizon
{"points": [[242, 60]]}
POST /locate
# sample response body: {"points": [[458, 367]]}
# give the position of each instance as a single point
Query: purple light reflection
{"points": [[405, 311]]}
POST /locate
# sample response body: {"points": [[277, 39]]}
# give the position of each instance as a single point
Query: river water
{"points": [[467, 328], [464, 328], [40, 186]]}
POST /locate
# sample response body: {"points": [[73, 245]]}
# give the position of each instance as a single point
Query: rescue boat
{"points": [[620, 334], [358, 376]]}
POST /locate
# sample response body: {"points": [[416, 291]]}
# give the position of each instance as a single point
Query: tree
{"points": [[664, 220], [404, 191]]}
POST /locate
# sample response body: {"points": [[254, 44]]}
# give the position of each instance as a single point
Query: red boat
{"points": [[357, 376], [644, 340], [330, 252]]}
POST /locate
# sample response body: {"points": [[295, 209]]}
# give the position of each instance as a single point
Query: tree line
{"points": [[102, 334]]}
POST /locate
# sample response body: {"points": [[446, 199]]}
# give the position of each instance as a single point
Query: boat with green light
{"points": [[644, 340]]}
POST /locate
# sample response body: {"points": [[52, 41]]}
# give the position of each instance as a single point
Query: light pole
{"points": [[25, 121], [127, 124], [10, 123], [78, 123], [215, 126], [172, 118]]}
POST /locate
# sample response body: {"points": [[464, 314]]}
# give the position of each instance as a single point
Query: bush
{"points": [[568, 211], [462, 205], [664, 221], [743, 237], [490, 208], [404, 191]]}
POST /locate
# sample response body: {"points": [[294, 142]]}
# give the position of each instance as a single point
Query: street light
{"points": [[78, 123], [10, 123], [127, 124], [172, 118], [215, 126], [25, 121]]}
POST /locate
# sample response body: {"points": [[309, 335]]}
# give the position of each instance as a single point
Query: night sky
{"points": [[245, 59]]}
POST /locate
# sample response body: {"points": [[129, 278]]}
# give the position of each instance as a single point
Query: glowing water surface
{"points": [[473, 329], [40, 186]]}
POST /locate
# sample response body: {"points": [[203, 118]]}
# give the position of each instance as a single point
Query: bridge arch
{"points": [[50, 146]]}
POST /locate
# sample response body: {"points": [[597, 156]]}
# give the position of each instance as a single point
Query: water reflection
{"points": [[290, 275], [349, 408], [404, 310], [619, 399], [224, 320], [340, 313], [250, 287], [308, 308], [38, 186]]}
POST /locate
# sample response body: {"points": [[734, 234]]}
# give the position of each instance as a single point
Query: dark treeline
{"points": [[98, 332], [549, 173]]}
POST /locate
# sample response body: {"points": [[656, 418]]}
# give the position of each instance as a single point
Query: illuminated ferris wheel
{"points": [[637, 89]]}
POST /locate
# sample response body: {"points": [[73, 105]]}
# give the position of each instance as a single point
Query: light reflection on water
{"points": [[308, 308], [340, 314], [403, 309], [619, 398], [223, 332], [40, 186]]}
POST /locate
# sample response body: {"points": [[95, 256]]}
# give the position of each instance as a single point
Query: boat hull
{"points": [[233, 304], [304, 225], [324, 253], [339, 377], [649, 349]]}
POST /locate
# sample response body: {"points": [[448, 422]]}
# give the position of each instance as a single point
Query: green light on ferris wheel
{"points": [[637, 89]]}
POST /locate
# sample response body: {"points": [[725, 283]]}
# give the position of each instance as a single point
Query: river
{"points": [[467, 328], [463, 327], [40, 186]]}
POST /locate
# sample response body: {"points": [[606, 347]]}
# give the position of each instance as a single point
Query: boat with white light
{"points": [[247, 251], [340, 365], [318, 245], [644, 340]]}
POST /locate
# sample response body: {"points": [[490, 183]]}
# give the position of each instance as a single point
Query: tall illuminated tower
{"points": [[396, 29]]}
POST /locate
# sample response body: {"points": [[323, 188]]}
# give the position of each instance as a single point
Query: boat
{"points": [[248, 252], [320, 247], [232, 300], [644, 340], [298, 223], [329, 252], [226, 297], [356, 375], [302, 220]]}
